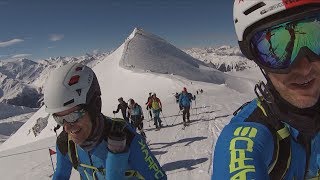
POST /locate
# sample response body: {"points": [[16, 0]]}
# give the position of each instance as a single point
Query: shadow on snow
{"points": [[183, 164], [188, 141]]}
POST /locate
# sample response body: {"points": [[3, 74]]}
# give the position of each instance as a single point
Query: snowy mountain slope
{"points": [[119, 82], [184, 154], [148, 52], [224, 58], [8, 110], [22, 80], [9, 126]]}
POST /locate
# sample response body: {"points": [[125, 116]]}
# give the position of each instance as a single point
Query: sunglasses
{"points": [[69, 118], [276, 48]]}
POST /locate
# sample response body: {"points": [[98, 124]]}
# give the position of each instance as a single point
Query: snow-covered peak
{"points": [[139, 31], [150, 53]]}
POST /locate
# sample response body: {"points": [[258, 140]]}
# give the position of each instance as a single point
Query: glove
{"points": [[117, 138], [114, 112], [147, 107], [180, 107], [160, 109]]}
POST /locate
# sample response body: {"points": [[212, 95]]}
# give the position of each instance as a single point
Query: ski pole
{"points": [[176, 118], [195, 104], [149, 117], [164, 118]]}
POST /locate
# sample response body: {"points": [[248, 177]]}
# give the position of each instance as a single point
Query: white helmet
{"points": [[130, 103], [249, 15], [71, 85]]}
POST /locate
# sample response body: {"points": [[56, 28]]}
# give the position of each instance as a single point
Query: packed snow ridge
{"points": [[147, 52]]}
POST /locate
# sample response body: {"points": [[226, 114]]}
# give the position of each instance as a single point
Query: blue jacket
{"points": [[136, 110], [185, 99], [244, 150], [112, 166]]}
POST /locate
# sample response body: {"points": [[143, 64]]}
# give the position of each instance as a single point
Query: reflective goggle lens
{"points": [[278, 47], [70, 118]]}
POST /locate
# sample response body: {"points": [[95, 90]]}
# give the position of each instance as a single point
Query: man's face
{"points": [[301, 86], [80, 130]]}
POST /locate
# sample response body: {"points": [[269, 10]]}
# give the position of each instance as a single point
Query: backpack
{"points": [[190, 96], [68, 146], [281, 157], [155, 104]]}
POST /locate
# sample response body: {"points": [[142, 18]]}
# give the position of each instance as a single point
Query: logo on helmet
{"points": [[271, 8]]}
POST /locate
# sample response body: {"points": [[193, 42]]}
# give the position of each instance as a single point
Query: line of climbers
{"points": [[132, 112]]}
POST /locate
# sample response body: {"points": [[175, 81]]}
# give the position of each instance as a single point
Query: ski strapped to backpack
{"points": [[66, 145]]}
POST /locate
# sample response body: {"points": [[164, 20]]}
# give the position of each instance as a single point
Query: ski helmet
{"points": [[72, 85], [251, 15], [184, 89], [120, 99]]}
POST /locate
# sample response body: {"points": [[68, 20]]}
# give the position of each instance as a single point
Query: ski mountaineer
{"points": [[98, 147], [276, 136], [123, 106], [136, 116], [185, 100], [156, 107], [149, 107]]}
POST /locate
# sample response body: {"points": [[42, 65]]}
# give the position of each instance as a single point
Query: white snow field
{"points": [[146, 63]]}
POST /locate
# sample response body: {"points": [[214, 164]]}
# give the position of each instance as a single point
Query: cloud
{"points": [[56, 37], [10, 42], [20, 55]]}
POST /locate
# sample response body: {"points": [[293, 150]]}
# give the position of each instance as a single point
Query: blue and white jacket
{"points": [[99, 163], [185, 99], [244, 150]]}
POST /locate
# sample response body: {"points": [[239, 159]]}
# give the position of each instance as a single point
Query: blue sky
{"points": [[49, 28]]}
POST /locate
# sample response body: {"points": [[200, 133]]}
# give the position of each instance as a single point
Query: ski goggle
{"points": [[69, 118], [278, 47]]}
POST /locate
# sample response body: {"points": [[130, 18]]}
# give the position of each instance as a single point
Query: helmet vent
{"points": [[78, 68], [253, 8], [79, 91], [69, 102]]}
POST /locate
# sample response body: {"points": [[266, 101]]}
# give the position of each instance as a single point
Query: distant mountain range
{"points": [[224, 58], [22, 80]]}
